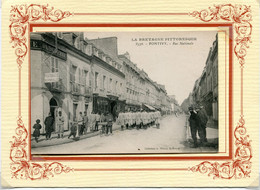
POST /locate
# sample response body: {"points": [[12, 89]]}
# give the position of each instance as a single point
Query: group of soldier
{"points": [[138, 119], [198, 120], [91, 123], [94, 122], [104, 121]]}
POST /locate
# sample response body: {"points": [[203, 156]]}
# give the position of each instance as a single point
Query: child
{"points": [[73, 130], [37, 126]]}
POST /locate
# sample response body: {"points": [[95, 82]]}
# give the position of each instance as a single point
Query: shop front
{"points": [[109, 104]]}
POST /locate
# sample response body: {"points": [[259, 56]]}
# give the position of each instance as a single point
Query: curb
{"points": [[65, 139]]}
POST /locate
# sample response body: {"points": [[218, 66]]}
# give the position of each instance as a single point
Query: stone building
{"points": [[72, 74], [59, 76], [205, 90], [109, 79]]}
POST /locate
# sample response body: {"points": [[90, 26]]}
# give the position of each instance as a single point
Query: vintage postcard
{"points": [[130, 94]]}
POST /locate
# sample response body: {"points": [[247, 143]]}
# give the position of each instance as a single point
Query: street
{"points": [[170, 138]]}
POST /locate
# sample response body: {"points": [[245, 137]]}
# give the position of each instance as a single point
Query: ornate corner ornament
{"points": [[240, 165], [21, 166]]}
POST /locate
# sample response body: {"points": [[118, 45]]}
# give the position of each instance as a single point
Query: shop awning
{"points": [[149, 107]]}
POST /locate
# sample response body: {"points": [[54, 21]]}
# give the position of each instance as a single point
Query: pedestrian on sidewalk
{"points": [[203, 120], [194, 124], [73, 130], [37, 126], [80, 123], [49, 121], [85, 122], [60, 124]]}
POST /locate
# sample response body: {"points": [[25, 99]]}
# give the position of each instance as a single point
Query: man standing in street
{"points": [[194, 125], [109, 119], [80, 123], [49, 126], [85, 122], [203, 120], [60, 124], [97, 121]]}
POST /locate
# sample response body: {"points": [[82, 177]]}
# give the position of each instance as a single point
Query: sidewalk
{"points": [[210, 146], [55, 141]]}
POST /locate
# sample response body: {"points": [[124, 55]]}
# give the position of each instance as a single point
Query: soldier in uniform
{"points": [[138, 119], [121, 120], [133, 119], [145, 119], [130, 116], [127, 119]]}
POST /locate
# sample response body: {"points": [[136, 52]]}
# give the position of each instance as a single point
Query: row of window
{"points": [[81, 76], [103, 83]]}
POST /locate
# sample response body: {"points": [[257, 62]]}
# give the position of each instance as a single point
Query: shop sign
{"points": [[51, 77], [39, 45]]}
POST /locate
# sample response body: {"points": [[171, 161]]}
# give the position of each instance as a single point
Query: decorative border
{"points": [[21, 15], [240, 165]]}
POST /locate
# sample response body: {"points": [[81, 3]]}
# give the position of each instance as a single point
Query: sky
{"points": [[174, 65]]}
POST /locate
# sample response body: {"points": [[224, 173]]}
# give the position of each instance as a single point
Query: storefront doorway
{"points": [[53, 110], [113, 108], [53, 106]]}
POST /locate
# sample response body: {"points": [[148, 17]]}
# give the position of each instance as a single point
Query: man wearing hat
{"points": [[194, 125], [49, 121], [203, 121]]}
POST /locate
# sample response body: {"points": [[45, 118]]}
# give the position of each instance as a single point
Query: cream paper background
{"points": [[131, 178]]}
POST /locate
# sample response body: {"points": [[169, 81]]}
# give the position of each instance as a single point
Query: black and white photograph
{"points": [[138, 92]]}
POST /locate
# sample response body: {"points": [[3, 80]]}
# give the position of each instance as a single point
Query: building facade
{"points": [[205, 90], [109, 79], [72, 74], [59, 80]]}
